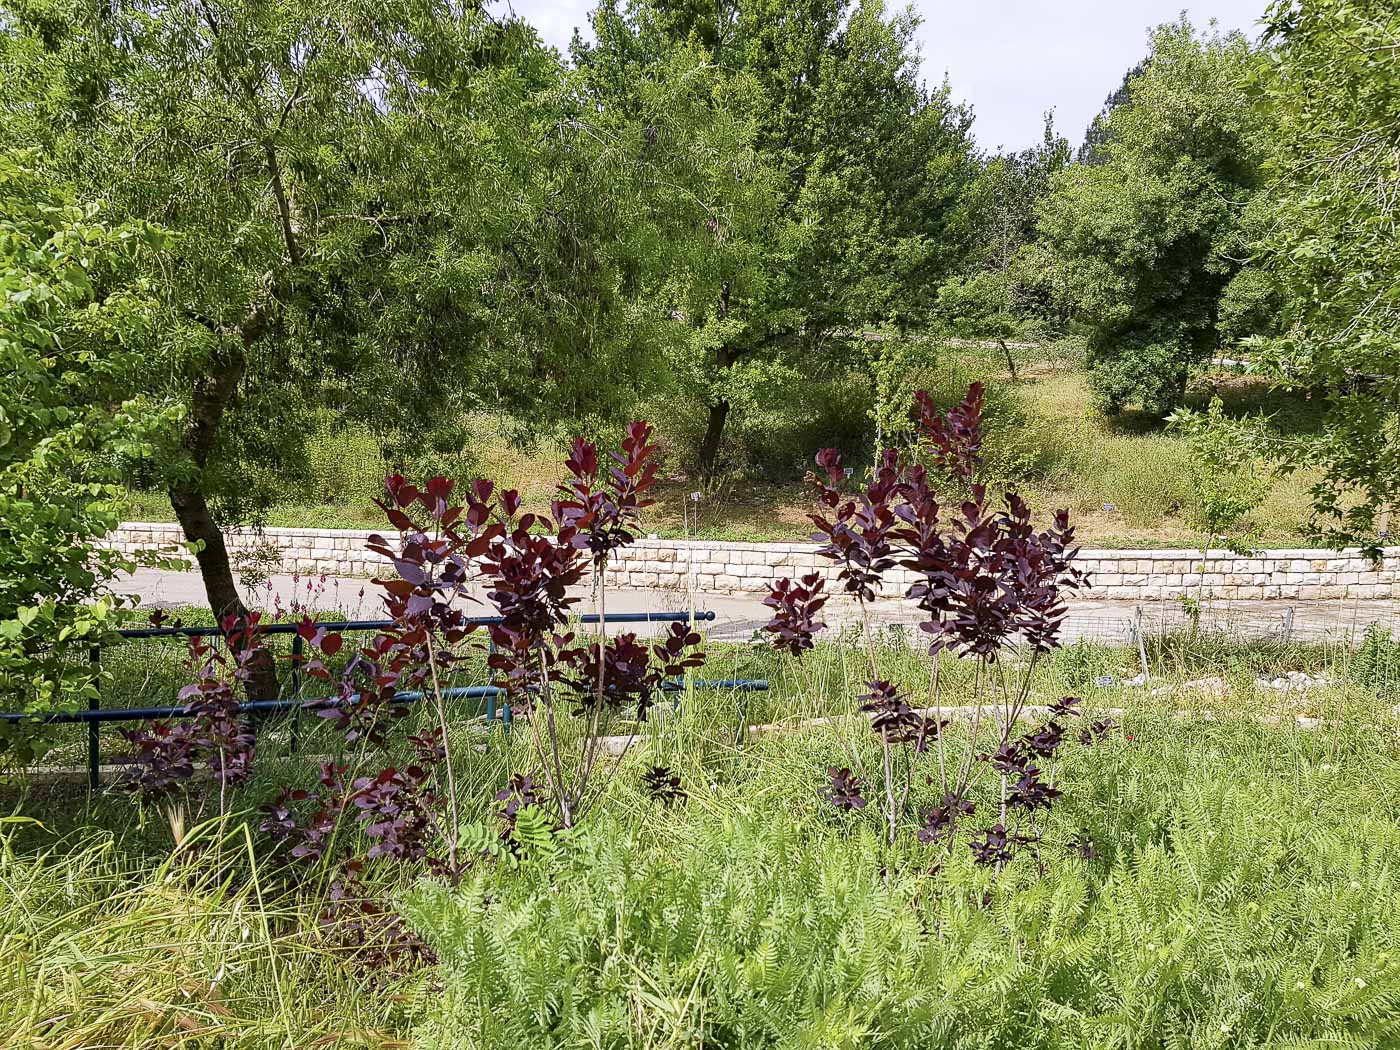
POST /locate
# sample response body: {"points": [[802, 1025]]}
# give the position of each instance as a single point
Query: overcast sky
{"points": [[1010, 59]]}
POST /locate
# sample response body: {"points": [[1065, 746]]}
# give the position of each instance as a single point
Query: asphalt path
{"points": [[738, 616]]}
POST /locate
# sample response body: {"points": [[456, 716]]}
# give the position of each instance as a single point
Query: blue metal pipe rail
{"points": [[469, 692], [381, 625], [95, 714]]}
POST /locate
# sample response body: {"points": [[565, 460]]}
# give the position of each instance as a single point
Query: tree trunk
{"points": [[714, 431], [719, 411], [1010, 361], [192, 511], [213, 393]]}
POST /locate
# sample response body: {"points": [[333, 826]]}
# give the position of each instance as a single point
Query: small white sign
{"points": [[1103, 681]]}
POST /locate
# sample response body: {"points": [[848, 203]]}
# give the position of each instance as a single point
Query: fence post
{"points": [[94, 704], [1142, 645], [490, 700], [1288, 625], [298, 648]]}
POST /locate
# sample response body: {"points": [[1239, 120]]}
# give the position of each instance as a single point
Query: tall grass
{"points": [[1125, 477], [1241, 893], [106, 948]]}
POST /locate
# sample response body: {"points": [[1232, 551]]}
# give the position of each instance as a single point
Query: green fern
{"points": [[1246, 896]]}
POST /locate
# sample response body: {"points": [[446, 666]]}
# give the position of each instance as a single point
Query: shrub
{"points": [[1017, 447], [1376, 662], [567, 691], [71, 321], [986, 583], [1228, 473]]}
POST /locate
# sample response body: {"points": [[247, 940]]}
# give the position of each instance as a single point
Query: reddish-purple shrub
{"points": [[520, 791], [859, 532], [954, 438], [795, 608], [662, 784], [529, 570], [215, 734], [845, 790], [939, 822], [602, 503], [394, 808], [987, 581], [310, 835], [406, 812]]}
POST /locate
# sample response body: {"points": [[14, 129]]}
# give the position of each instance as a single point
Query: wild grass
{"points": [[108, 946], [1124, 478], [1241, 891]]}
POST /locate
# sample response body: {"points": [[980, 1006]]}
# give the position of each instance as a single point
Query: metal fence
{"points": [[95, 714]]}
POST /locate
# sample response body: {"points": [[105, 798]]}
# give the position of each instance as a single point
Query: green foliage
{"points": [[1331, 247], [69, 319], [1376, 662], [1221, 913], [1009, 286], [1240, 894], [1147, 233], [1228, 473], [853, 212], [899, 368], [780, 418], [979, 305], [1005, 200], [533, 840], [780, 424], [394, 218]]}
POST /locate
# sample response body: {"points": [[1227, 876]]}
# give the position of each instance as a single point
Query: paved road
{"points": [[738, 616]]}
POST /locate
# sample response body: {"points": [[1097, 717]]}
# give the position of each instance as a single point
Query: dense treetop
{"points": [[395, 218]]}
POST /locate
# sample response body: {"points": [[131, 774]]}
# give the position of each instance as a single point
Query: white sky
{"points": [[1010, 59]]}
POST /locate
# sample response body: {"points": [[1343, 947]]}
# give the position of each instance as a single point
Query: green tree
{"points": [[1332, 250], [1100, 129], [1004, 202], [866, 168], [1004, 289], [71, 319], [1147, 234], [397, 214]]}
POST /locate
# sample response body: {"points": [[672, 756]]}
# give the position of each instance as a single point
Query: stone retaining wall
{"points": [[1124, 575]]}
